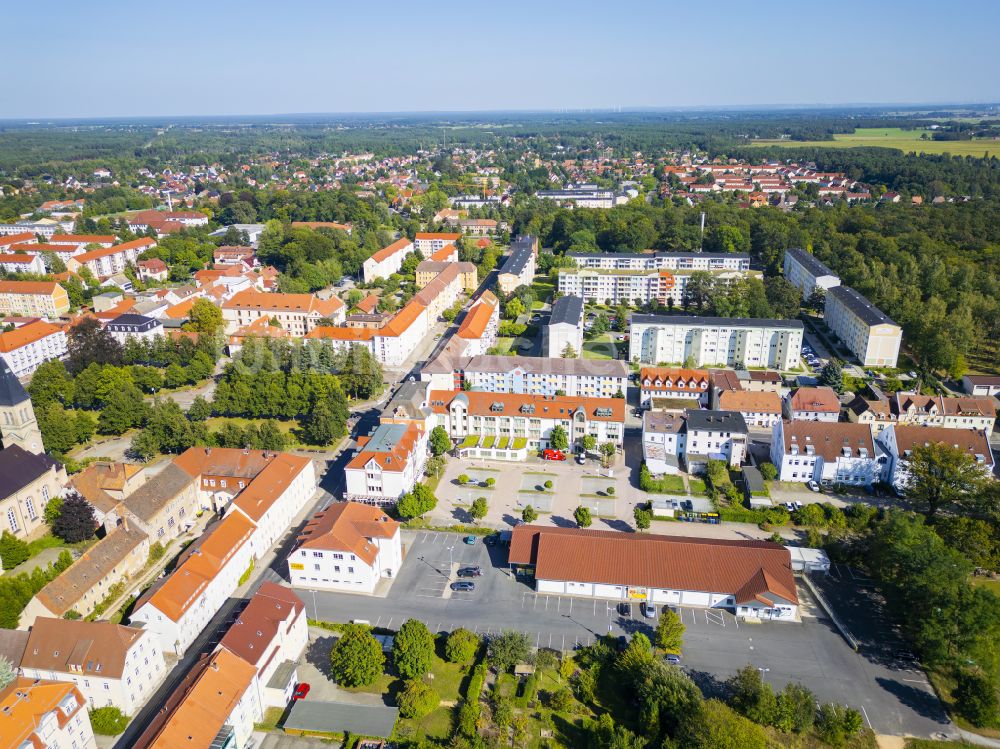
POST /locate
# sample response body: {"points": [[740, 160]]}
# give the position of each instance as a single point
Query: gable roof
{"points": [[12, 392], [266, 302], [528, 404], [256, 626], [19, 468], [748, 401], [400, 245], [348, 526], [391, 446], [970, 441], [87, 648], [820, 399], [268, 485], [828, 439]]}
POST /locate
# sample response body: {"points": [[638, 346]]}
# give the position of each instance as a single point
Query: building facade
{"points": [[387, 464], [867, 331], [806, 273], [564, 331], [842, 453]]}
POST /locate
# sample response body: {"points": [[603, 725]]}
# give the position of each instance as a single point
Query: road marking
{"points": [[865, 712], [537, 638], [377, 620]]}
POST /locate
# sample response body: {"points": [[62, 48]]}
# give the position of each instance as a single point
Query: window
{"points": [[29, 504], [12, 519], [316, 567], [351, 570], [45, 493]]}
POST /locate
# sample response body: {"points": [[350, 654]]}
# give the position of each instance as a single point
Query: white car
{"points": [[813, 486]]}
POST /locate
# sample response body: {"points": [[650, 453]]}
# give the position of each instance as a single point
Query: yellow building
{"points": [[33, 298]]}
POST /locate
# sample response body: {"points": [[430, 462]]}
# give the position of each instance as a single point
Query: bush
{"points": [[13, 550], [417, 699], [561, 700], [837, 723], [479, 508], [506, 650], [108, 721], [156, 552], [52, 509], [461, 646], [976, 698], [463, 478], [529, 514], [582, 516], [768, 471], [548, 484]]}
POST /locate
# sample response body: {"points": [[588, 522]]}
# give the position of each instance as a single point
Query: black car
{"points": [[492, 539], [470, 572], [625, 609], [463, 585]]}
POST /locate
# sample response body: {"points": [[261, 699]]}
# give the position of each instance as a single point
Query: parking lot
{"points": [[891, 692]]}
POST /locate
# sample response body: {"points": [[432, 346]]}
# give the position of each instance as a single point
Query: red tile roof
{"points": [[347, 526]]}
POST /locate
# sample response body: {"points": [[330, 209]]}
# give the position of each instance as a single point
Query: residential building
{"points": [[112, 665], [634, 287], [33, 299], [596, 378], [153, 270], [44, 715], [270, 634], [563, 333], [19, 262], [672, 383], [46, 228], [825, 452], [387, 261], [978, 413], [27, 482], [875, 412], [163, 507], [398, 339], [478, 227], [165, 222], [27, 347], [479, 326], [899, 441], [722, 341], [135, 326], [812, 404], [387, 464], [682, 261], [714, 435], [108, 261], [751, 578], [866, 331], [429, 270], [296, 313], [529, 417], [18, 425], [82, 241], [430, 242], [346, 338], [582, 196], [806, 273], [443, 290], [519, 267], [663, 438], [759, 409], [348, 546], [981, 384], [215, 706]]}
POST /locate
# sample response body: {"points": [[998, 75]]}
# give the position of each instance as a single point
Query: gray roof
{"points": [[860, 306], [654, 255], [808, 261], [715, 421], [342, 717], [18, 468], [567, 310], [409, 397], [146, 501], [139, 321], [719, 322], [385, 438], [11, 391], [517, 260], [548, 365], [659, 422]]}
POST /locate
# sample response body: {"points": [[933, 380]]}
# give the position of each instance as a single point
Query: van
{"points": [[364, 622]]}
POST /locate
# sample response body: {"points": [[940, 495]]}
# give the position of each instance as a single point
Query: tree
{"points": [[479, 508], [13, 550], [558, 438], [417, 699], [608, 450], [601, 324], [413, 649], [124, 409], [836, 724], [939, 476], [670, 632], [603, 733], [320, 427], [768, 471], [440, 442], [50, 383], [416, 503], [568, 352], [783, 297], [976, 698], [717, 726], [88, 342], [796, 708], [582, 516], [461, 646], [506, 650], [832, 375], [513, 309], [643, 517], [356, 659], [529, 514], [203, 317], [52, 510], [752, 696], [462, 478], [76, 519], [108, 721], [7, 672], [588, 442]]}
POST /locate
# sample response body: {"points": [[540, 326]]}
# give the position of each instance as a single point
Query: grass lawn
{"points": [[669, 484], [543, 287], [697, 485], [894, 137], [601, 347], [986, 582], [503, 345], [215, 423]]}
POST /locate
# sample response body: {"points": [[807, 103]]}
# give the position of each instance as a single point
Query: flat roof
{"points": [[717, 322], [342, 717]]}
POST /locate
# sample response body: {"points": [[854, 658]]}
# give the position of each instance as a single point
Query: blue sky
{"points": [[117, 58]]}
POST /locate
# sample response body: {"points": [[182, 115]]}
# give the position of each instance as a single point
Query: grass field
{"points": [[894, 137], [986, 582], [602, 347]]}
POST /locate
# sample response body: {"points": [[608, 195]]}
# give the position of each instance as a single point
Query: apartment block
{"points": [[387, 464], [33, 299], [27, 347], [867, 331], [806, 273]]}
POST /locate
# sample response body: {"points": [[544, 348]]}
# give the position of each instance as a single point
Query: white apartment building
{"points": [[591, 378], [44, 715], [295, 313], [397, 339], [519, 267], [899, 441], [478, 330], [26, 348], [430, 242], [673, 383], [663, 438], [135, 326], [386, 261], [344, 339], [827, 453], [109, 261], [564, 328], [387, 465], [714, 435], [978, 413], [689, 261], [22, 263], [45, 228], [111, 665], [722, 341], [583, 196], [867, 331], [806, 273], [529, 417], [758, 408], [347, 547], [633, 286]]}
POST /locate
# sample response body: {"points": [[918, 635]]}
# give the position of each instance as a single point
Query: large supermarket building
{"points": [[752, 578]]}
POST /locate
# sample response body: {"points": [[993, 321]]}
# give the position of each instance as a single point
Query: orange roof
{"points": [[265, 302], [815, 399], [260, 327], [223, 461], [403, 319], [47, 288], [748, 401], [23, 704], [135, 244], [444, 253], [320, 225], [261, 493], [368, 304], [347, 526], [545, 406], [82, 239], [399, 245], [438, 235], [26, 334], [475, 322], [17, 258], [389, 460], [328, 332], [180, 310], [26, 236]]}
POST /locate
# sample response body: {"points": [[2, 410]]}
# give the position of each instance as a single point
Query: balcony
{"points": [[224, 739]]}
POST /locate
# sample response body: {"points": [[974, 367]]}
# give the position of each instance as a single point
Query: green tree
{"points": [[76, 520], [203, 317], [569, 352], [976, 698], [506, 650], [50, 383], [752, 696], [796, 709], [768, 471], [174, 376], [783, 297], [417, 699], [461, 646], [670, 632], [52, 509], [356, 659], [588, 442], [417, 502], [123, 410], [941, 476], [717, 726], [200, 409], [479, 508], [558, 439], [413, 649], [837, 724], [320, 427], [440, 442], [513, 309], [529, 514], [13, 550], [603, 733], [108, 721], [582, 516], [643, 517], [7, 672], [832, 376]]}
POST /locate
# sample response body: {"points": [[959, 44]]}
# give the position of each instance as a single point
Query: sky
{"points": [[122, 58]]}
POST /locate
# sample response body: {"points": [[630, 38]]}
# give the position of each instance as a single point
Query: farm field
{"points": [[894, 137]]}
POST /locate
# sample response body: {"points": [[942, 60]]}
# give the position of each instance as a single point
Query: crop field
{"points": [[894, 137]]}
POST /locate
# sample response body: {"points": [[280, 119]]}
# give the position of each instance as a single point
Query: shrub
{"points": [[13, 550], [463, 478], [548, 484], [417, 699], [108, 721], [976, 698], [768, 471], [561, 700], [529, 514], [479, 508], [506, 650], [156, 552], [582, 516]]}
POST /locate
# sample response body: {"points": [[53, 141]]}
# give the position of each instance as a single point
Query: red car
{"points": [[300, 692], [550, 454]]}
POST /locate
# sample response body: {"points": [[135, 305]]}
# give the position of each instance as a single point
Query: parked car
{"points": [[813, 486], [470, 540], [649, 610], [798, 505], [625, 609], [673, 659], [492, 539], [470, 572], [581, 459], [550, 454], [463, 585], [790, 506], [301, 690]]}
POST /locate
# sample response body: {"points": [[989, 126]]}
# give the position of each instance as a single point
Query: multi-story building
{"points": [[27, 482], [979, 414], [18, 425], [519, 267], [38, 714], [529, 417], [162, 507], [428, 270], [583, 196], [634, 286], [108, 261], [27, 347], [82, 241], [713, 435], [812, 404], [723, 341], [397, 339], [899, 441], [563, 334], [344, 338], [386, 261], [110, 664], [387, 465], [663, 437], [295, 313], [19, 262], [46, 228], [430, 242], [596, 378], [33, 299], [759, 409], [348, 546], [674, 384], [478, 329], [867, 331], [675, 261], [443, 290], [806, 273], [827, 453], [135, 326]]}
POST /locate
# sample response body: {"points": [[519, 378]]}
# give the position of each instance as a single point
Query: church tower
{"points": [[17, 418]]}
